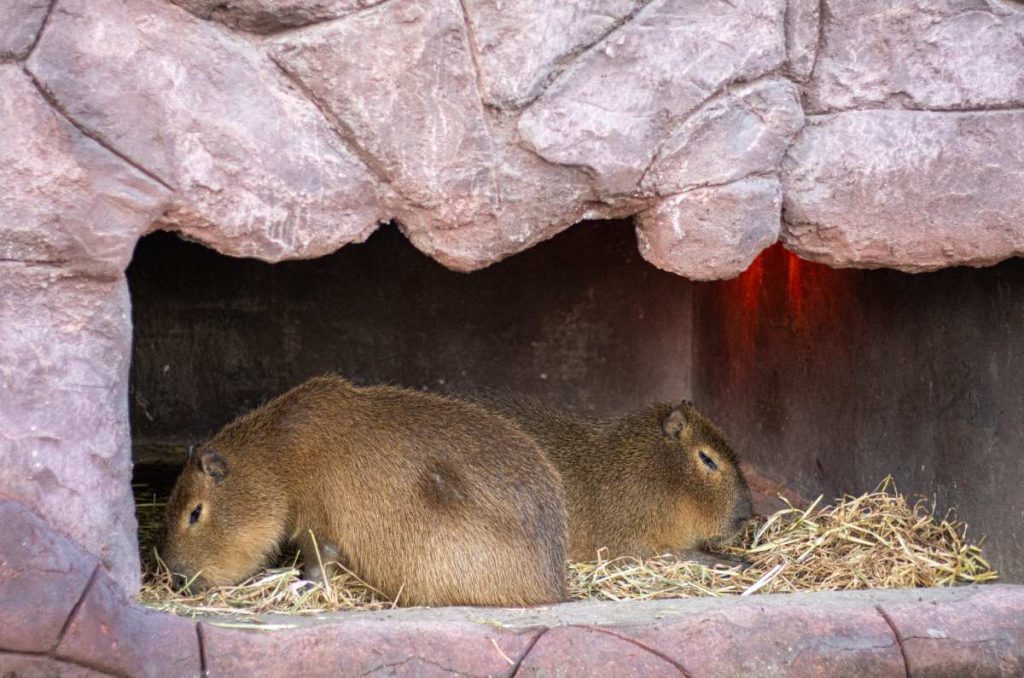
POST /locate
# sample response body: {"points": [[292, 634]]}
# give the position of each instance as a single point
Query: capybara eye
{"points": [[193, 517], [708, 461]]}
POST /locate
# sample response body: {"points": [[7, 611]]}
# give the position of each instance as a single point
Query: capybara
{"points": [[659, 481], [429, 499]]}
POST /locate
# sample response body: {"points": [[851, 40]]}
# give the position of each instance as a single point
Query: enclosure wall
{"points": [[833, 379], [580, 321]]}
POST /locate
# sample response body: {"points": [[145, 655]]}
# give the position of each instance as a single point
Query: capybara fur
{"points": [[431, 500], [660, 481]]}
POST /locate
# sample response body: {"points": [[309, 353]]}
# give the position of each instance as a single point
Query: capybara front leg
{"points": [[320, 557]]}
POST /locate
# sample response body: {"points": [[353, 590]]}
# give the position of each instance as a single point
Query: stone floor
{"points": [[63, 615]]}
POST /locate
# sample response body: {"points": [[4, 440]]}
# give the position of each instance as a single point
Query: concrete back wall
{"points": [[835, 378], [580, 320]]}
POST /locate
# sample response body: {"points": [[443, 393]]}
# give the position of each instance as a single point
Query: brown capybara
{"points": [[661, 481], [431, 500]]}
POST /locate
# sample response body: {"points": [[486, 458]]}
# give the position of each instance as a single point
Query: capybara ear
{"points": [[214, 465], [674, 424]]}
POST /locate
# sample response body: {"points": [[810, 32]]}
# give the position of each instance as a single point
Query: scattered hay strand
{"points": [[876, 540]]}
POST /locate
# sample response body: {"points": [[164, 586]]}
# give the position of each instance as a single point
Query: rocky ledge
{"points": [[64, 615]]}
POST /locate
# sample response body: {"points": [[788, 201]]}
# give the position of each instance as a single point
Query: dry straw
{"points": [[874, 541]]}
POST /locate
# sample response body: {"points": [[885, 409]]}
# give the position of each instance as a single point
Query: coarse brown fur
{"points": [[637, 485], [430, 499]]}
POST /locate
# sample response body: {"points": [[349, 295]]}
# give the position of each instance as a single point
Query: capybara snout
{"points": [[223, 523]]}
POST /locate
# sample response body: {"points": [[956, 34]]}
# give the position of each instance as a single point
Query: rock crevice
{"points": [[92, 134]]}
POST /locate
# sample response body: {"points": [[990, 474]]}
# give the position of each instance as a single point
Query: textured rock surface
{"points": [[482, 127], [985, 629], [42, 576], [938, 54], [400, 81], [906, 189], [359, 648], [744, 130], [264, 16], [713, 232], [256, 168], [64, 443], [747, 639], [67, 200], [523, 44], [20, 21], [582, 651], [802, 29], [610, 113], [842, 634], [35, 666], [110, 633]]}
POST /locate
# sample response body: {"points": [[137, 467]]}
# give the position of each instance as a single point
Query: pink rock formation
{"points": [[400, 84], [254, 167], [802, 29], [610, 113], [67, 200], [928, 54], [64, 441], [522, 45], [744, 130], [20, 21], [910, 190], [704, 231]]}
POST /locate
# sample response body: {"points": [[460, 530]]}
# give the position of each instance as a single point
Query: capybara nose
{"points": [[178, 581], [743, 511]]}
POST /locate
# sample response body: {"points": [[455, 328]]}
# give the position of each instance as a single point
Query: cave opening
{"points": [[824, 380]]}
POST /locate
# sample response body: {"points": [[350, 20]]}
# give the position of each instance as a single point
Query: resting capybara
{"points": [[660, 481], [431, 498]]}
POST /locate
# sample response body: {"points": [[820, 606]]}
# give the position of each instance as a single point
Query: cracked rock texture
{"points": [[361, 648], [524, 44], [682, 233], [802, 31], [890, 132], [43, 576], [399, 80], [255, 168], [68, 200], [924, 54], [20, 21], [745, 130], [287, 129], [612, 112], [906, 189]]}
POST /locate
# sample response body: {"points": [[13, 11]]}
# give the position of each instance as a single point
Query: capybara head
{"points": [[718, 498], [225, 519]]}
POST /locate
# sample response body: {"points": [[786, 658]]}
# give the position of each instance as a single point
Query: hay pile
{"points": [[876, 540]]}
